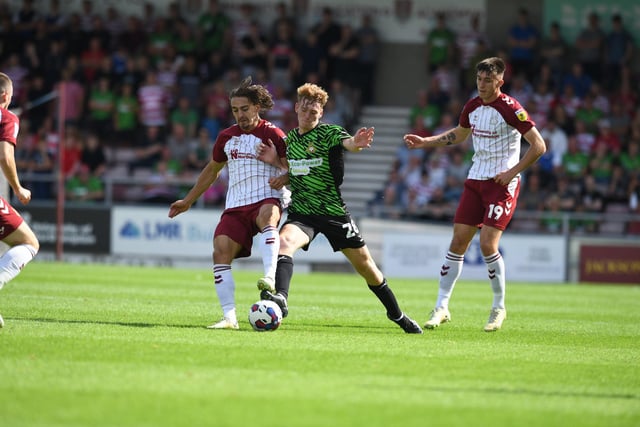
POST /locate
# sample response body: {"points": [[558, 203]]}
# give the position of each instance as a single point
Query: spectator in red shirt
{"points": [[73, 93], [606, 137], [71, 153], [91, 59]]}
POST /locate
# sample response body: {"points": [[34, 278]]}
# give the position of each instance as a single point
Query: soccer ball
{"points": [[265, 315]]}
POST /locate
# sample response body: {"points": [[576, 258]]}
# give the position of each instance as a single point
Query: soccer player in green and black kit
{"points": [[315, 155]]}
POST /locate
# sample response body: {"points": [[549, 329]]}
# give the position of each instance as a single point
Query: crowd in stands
{"points": [[583, 96], [155, 87]]}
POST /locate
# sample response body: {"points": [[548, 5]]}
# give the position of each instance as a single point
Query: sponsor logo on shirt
{"points": [[303, 167]]}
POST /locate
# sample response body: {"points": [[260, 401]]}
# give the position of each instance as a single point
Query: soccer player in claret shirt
{"points": [[496, 123], [252, 206], [315, 155], [14, 231]]}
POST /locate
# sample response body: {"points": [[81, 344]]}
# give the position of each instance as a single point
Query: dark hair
{"points": [[256, 94], [493, 65]]}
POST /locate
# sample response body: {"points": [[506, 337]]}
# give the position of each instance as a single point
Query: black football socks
{"points": [[284, 273], [388, 299]]}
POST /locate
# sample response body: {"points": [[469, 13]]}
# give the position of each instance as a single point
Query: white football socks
{"points": [[14, 260], [495, 269], [449, 273], [225, 288], [270, 246]]}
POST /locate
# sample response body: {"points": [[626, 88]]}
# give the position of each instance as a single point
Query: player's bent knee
{"points": [[34, 243], [288, 245]]}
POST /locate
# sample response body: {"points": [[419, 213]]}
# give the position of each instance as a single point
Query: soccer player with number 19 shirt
{"points": [[315, 155], [496, 123], [14, 232]]}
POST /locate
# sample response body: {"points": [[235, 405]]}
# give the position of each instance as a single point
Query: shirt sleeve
{"points": [[9, 126], [218, 148]]}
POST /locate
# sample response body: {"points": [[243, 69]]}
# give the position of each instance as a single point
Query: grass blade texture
{"points": [[96, 345]]}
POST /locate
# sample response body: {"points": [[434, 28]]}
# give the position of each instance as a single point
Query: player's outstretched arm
{"points": [[178, 207], [361, 140], [450, 137]]}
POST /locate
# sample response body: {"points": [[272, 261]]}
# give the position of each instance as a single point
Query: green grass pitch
{"points": [[96, 345]]}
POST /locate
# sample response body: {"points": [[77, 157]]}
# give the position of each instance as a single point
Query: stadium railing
{"points": [[139, 190]]}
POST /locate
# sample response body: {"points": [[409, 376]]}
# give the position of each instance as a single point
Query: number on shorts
{"points": [[495, 212], [352, 229]]}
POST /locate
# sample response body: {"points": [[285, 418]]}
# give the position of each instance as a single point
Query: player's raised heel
{"points": [[267, 284], [496, 317], [278, 299], [225, 323], [438, 316], [1, 322], [407, 324]]}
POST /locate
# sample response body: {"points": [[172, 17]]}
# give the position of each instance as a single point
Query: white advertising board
{"points": [[149, 231], [528, 258]]}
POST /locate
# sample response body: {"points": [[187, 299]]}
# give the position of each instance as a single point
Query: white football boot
{"points": [[438, 316], [496, 317], [267, 284], [225, 323]]}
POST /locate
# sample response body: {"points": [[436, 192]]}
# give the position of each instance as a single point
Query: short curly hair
{"points": [[312, 92]]}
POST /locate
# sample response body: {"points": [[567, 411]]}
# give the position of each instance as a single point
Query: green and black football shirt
{"points": [[316, 170]]}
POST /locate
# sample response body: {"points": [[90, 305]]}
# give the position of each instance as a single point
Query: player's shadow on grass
{"points": [[106, 322], [521, 391], [296, 326], [359, 327]]}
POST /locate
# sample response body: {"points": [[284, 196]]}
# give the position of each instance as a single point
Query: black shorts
{"points": [[340, 231]]}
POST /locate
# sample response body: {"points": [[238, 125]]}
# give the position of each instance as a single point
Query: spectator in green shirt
{"points": [[84, 187], [630, 159], [101, 106], [214, 30], [426, 110], [125, 116], [574, 161], [441, 42], [186, 116], [589, 114]]}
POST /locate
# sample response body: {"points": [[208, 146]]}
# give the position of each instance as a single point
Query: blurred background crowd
{"points": [[152, 91], [144, 97], [583, 96]]}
